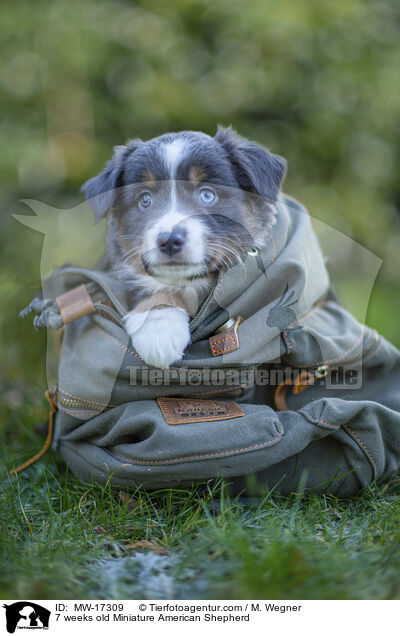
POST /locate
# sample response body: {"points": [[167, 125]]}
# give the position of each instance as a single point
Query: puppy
{"points": [[182, 207]]}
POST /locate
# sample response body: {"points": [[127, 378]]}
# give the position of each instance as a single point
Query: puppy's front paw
{"points": [[160, 336]]}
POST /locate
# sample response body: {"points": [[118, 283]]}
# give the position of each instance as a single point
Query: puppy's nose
{"points": [[171, 243]]}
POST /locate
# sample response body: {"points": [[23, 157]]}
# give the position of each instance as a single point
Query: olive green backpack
{"points": [[252, 400]]}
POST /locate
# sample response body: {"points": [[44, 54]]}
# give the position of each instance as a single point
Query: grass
{"points": [[64, 539], [60, 538]]}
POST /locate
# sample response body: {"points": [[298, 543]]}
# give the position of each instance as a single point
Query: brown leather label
{"points": [[226, 340], [75, 303], [184, 411]]}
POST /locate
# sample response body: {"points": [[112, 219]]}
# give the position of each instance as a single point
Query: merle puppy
{"points": [[182, 207]]}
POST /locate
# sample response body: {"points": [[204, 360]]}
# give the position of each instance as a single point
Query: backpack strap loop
{"points": [[75, 303], [226, 339]]}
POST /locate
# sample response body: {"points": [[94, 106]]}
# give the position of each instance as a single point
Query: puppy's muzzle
{"points": [[171, 243]]}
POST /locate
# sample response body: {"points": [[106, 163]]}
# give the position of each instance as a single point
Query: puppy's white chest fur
{"points": [[160, 336], [160, 333]]}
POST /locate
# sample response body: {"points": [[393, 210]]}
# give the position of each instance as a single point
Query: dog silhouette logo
{"points": [[26, 615], [280, 314]]}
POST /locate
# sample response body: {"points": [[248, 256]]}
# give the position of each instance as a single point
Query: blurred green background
{"points": [[315, 82]]}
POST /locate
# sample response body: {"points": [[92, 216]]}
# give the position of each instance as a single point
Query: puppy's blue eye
{"points": [[207, 196], [145, 200]]}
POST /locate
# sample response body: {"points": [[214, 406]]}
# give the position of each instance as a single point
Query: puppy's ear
{"points": [[257, 170], [101, 190]]}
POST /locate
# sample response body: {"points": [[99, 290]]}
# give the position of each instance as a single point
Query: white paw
{"points": [[160, 336]]}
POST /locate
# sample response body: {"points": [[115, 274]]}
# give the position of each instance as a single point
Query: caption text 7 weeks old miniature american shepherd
{"points": [[182, 207]]}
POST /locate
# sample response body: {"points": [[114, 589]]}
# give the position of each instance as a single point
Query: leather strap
{"points": [[52, 411], [301, 382], [225, 340], [75, 303]]}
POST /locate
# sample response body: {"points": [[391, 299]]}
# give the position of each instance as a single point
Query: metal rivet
{"points": [[322, 371]]}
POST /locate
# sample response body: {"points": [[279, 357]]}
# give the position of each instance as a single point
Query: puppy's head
{"points": [[183, 205]]}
